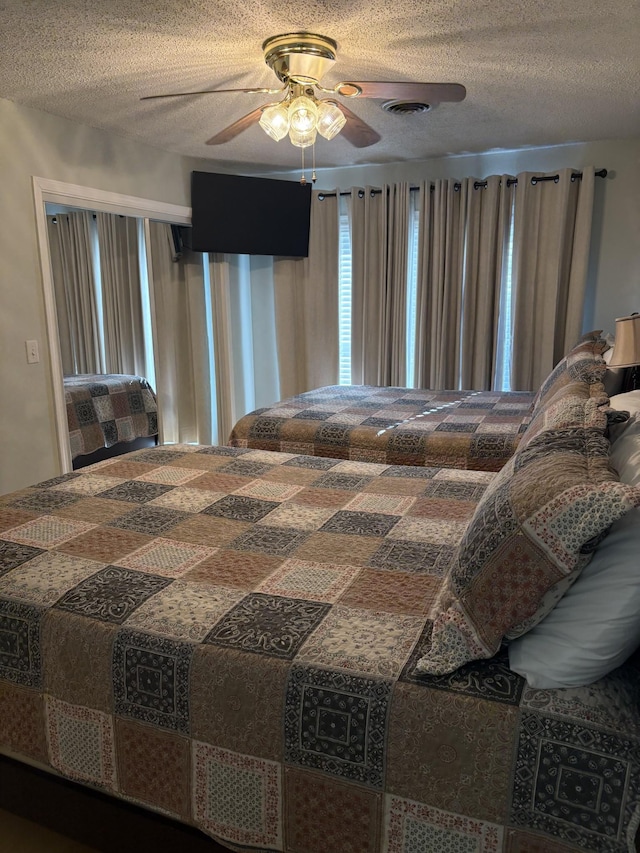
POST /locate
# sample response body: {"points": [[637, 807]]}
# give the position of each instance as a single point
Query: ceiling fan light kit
{"points": [[275, 121], [302, 118], [300, 60], [331, 119], [303, 115]]}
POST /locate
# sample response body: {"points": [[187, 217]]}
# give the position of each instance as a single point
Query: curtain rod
{"points": [[477, 185]]}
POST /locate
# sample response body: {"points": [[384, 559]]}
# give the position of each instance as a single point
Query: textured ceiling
{"points": [[537, 72]]}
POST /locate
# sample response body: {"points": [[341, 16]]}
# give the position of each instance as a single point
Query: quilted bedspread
{"points": [[104, 409], [478, 430], [229, 636]]}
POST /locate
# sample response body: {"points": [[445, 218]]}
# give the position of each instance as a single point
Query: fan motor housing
{"points": [[301, 57]]}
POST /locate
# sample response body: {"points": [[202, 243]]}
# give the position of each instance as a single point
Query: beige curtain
{"points": [[244, 335], [306, 305], [552, 230], [221, 280], [123, 327], [184, 365], [439, 290], [70, 242], [379, 241], [488, 218], [394, 351], [367, 220]]}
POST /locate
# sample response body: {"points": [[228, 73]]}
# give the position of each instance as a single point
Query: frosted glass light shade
{"points": [[331, 119], [275, 121], [302, 140], [303, 114]]}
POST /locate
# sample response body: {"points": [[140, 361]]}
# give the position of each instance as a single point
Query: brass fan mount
{"points": [[300, 57]]}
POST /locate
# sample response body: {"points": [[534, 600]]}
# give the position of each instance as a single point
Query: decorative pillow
{"points": [[532, 533], [575, 405], [583, 363], [595, 626]]}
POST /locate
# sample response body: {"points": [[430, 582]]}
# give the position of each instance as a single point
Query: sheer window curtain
{"points": [[184, 363], [216, 347], [243, 324], [306, 306], [77, 303], [379, 223], [552, 232]]}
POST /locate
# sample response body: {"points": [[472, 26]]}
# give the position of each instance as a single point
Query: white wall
{"points": [[614, 283], [36, 143]]}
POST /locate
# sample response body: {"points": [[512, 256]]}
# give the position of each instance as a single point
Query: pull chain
{"points": [[313, 168], [303, 180]]}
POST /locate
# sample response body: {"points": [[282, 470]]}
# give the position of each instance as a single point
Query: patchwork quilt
{"points": [[230, 636], [476, 430], [104, 409]]}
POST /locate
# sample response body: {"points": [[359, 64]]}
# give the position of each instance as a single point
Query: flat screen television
{"points": [[249, 216]]}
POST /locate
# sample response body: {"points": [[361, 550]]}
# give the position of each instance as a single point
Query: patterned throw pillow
{"points": [[574, 405], [531, 535], [583, 363]]}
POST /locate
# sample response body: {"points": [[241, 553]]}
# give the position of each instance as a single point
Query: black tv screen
{"points": [[249, 216]]}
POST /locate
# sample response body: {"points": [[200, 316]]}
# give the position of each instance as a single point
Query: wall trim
{"points": [[47, 190]]}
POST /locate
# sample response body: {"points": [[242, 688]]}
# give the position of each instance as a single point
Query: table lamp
{"points": [[626, 350]]}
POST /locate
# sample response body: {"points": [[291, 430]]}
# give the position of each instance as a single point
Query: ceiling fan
{"points": [[299, 61]]}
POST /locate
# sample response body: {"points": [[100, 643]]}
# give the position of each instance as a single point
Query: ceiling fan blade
{"points": [[236, 128], [356, 131], [212, 92], [430, 93]]}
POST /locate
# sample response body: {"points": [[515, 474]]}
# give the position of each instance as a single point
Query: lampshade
{"points": [[303, 114], [302, 139], [331, 119], [626, 350], [275, 121]]}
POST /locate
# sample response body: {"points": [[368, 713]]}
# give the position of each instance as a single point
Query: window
{"points": [[146, 304], [505, 321], [505, 325], [344, 296], [412, 287], [344, 293]]}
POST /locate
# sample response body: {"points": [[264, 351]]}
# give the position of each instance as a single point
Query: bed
{"points": [[475, 430], [270, 646], [107, 414]]}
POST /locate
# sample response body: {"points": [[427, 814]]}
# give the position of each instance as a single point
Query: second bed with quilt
{"points": [[477, 430]]}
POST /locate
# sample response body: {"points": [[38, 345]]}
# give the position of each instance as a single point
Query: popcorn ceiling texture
{"points": [[536, 74]]}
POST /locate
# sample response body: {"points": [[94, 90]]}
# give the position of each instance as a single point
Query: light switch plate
{"points": [[33, 355]]}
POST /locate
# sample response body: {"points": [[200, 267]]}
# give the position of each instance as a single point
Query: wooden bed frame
{"points": [[116, 450], [91, 817], [96, 819]]}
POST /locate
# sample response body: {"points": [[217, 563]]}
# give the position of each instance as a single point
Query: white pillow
{"points": [[596, 625], [624, 456], [628, 402]]}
